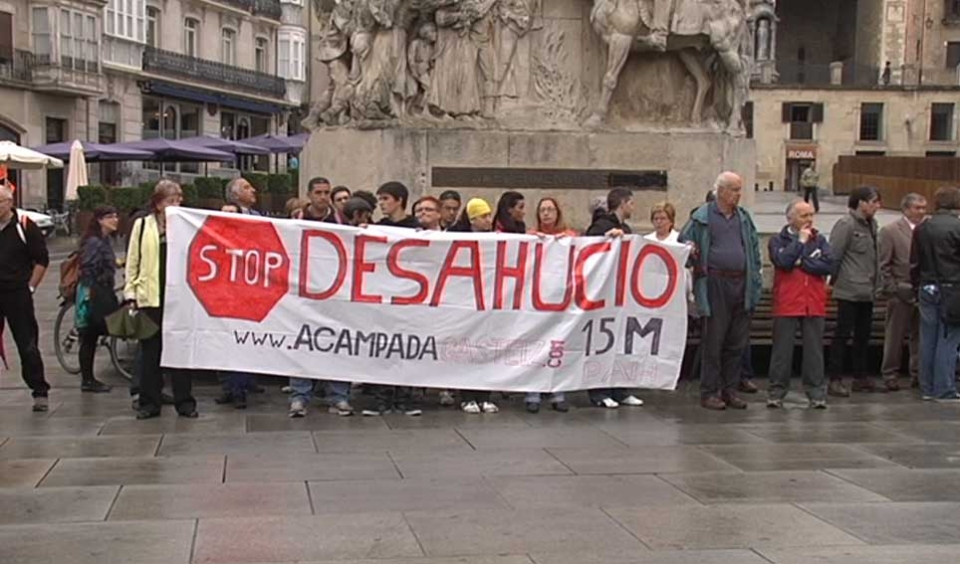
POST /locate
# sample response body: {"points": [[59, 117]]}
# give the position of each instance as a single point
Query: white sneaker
{"points": [[446, 398], [490, 407], [297, 409], [470, 407], [632, 401], [608, 403], [287, 389]]}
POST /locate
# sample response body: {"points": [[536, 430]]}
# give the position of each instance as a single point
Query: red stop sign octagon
{"points": [[238, 267]]}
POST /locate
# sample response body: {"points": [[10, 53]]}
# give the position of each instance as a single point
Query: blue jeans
{"points": [[237, 383], [303, 390], [938, 347], [537, 397]]}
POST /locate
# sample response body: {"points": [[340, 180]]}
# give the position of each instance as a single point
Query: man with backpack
{"points": [[23, 262]]}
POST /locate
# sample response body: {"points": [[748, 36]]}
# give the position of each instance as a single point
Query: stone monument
{"points": [[550, 97]]}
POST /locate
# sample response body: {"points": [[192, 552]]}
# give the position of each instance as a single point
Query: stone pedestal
{"points": [[427, 159]]}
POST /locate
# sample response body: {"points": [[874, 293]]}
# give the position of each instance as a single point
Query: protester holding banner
{"points": [[727, 285], [511, 209], [95, 294], [321, 207], [146, 279], [550, 219], [450, 203], [392, 198], [663, 216], [613, 224], [427, 212], [340, 195]]}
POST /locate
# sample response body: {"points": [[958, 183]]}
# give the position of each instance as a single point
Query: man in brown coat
{"points": [[903, 316]]}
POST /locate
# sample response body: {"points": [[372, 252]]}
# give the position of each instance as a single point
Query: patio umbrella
{"points": [[171, 150], [95, 152], [226, 145], [278, 144], [76, 172], [15, 156]]}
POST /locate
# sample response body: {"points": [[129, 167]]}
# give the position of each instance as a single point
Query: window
{"points": [[191, 28], [153, 27], [42, 46], [228, 49], [748, 119], [290, 60], [125, 18], [801, 116], [260, 55], [941, 122], [871, 122], [179, 120], [947, 154], [952, 9], [91, 52], [6, 36]]}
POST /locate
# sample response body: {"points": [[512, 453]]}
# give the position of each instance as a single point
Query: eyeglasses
{"points": [[423, 209]]}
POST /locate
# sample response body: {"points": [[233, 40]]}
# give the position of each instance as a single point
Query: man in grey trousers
{"points": [[802, 261], [903, 313]]}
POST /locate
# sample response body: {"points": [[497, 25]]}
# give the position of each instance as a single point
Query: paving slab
{"points": [[301, 468], [494, 531], [29, 426], [809, 432], [574, 437], [728, 526], [759, 458], [317, 419], [452, 418], [678, 434], [653, 557], [900, 484], [769, 487], [55, 505], [913, 554], [929, 431], [122, 471], [209, 501], [639, 460], [929, 455], [24, 473], [276, 444], [400, 495], [479, 559], [170, 424], [893, 523], [279, 539], [79, 447], [528, 492], [403, 440], [142, 542], [515, 462]]}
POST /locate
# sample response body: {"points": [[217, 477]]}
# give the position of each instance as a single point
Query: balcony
{"points": [[18, 69], [212, 73], [265, 8]]}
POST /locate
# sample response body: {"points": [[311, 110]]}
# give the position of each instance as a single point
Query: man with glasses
{"points": [[427, 212], [340, 196], [23, 262]]}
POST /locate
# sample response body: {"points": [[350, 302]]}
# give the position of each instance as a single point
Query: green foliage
{"points": [[280, 184], [126, 198], [210, 188], [258, 180], [190, 195], [89, 197]]}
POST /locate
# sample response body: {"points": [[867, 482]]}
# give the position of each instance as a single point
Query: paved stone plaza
{"points": [[874, 479]]}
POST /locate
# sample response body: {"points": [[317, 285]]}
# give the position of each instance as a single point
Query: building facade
{"points": [[124, 70], [867, 77]]}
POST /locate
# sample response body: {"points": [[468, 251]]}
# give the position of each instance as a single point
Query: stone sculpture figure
{"points": [[697, 25], [455, 87], [420, 59], [332, 107]]}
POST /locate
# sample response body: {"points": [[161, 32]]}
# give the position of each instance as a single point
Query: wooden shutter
{"points": [[785, 112], [816, 113]]}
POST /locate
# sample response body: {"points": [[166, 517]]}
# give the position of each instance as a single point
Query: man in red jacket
{"points": [[802, 261]]}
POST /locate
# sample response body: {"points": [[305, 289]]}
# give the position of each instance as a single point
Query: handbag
{"points": [[128, 322]]}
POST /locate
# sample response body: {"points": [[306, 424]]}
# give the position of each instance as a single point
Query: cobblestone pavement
{"points": [[874, 479]]}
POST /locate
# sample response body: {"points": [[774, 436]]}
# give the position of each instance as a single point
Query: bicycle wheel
{"points": [[66, 339], [123, 355]]}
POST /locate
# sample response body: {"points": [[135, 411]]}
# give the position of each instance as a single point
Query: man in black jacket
{"points": [[23, 262], [935, 275]]}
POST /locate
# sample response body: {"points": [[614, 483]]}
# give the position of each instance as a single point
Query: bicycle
{"points": [[61, 221], [123, 352]]}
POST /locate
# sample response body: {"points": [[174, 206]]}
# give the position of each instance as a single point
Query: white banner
{"points": [[439, 310]]}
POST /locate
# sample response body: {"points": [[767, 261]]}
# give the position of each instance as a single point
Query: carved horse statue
{"points": [[719, 26]]}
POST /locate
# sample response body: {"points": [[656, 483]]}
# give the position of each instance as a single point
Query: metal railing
{"points": [[212, 72], [268, 8], [19, 68], [802, 74]]}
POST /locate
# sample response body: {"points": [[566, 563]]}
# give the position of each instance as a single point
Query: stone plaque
{"points": [[547, 178]]}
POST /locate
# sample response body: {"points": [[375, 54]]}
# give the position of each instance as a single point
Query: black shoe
{"points": [[224, 399], [147, 414], [533, 407], [561, 406], [192, 414], [747, 387], [256, 389], [95, 387], [241, 402], [166, 399]]}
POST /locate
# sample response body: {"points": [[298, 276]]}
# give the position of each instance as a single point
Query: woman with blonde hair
{"points": [[146, 276], [663, 216]]}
